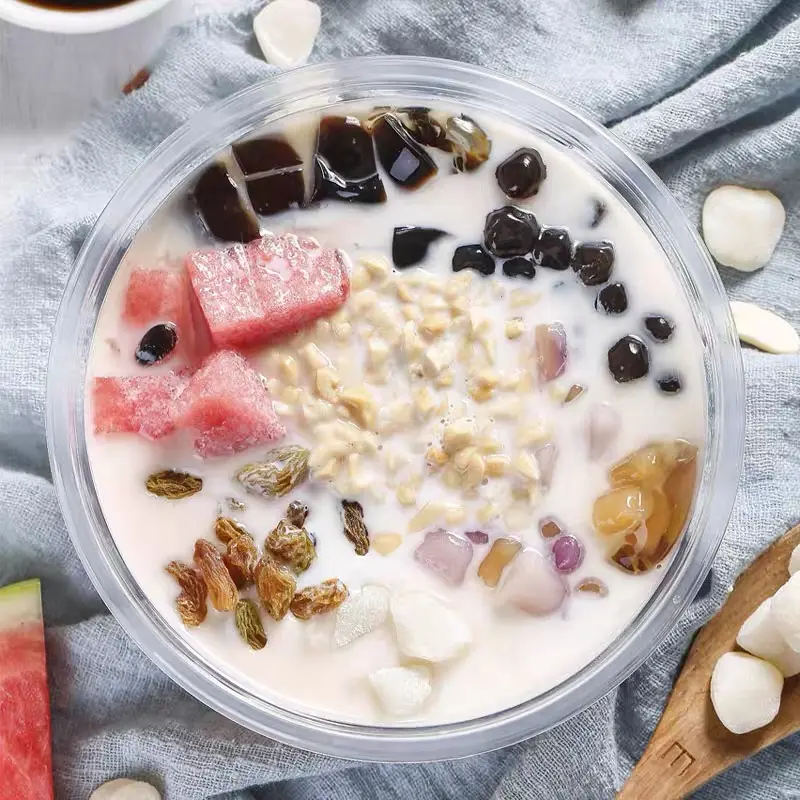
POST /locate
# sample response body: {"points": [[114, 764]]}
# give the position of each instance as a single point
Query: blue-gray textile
{"points": [[708, 91]]}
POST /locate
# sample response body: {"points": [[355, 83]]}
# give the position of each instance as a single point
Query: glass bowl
{"points": [[404, 81]]}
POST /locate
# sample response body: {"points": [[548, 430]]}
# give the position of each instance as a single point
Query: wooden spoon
{"points": [[690, 746]]}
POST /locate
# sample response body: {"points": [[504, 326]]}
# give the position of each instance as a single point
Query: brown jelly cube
{"points": [[217, 197], [502, 552]]}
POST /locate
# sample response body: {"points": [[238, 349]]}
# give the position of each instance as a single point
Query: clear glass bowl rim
{"points": [[352, 80]]}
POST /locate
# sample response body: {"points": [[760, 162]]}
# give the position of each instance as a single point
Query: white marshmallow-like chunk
{"points": [[361, 613], [794, 561], [764, 329], [286, 31], [125, 789], [532, 585], [401, 690], [742, 226], [760, 637], [745, 692], [426, 628], [785, 611]]}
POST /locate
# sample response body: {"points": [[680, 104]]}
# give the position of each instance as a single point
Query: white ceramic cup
{"points": [[57, 21]]}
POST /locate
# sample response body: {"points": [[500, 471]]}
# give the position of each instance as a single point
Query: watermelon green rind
{"points": [[19, 603]]}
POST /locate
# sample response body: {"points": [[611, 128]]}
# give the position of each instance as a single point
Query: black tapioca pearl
{"points": [[613, 299], [628, 359], [669, 384], [522, 173], [509, 231], [410, 245], [660, 328], [553, 249], [519, 267], [473, 256], [593, 262]]}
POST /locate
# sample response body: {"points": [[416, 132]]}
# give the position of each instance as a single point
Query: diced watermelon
{"points": [[229, 407], [143, 404], [253, 293], [161, 295], [25, 759]]}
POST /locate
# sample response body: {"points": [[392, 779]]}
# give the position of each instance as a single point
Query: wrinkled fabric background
{"points": [[708, 91]]}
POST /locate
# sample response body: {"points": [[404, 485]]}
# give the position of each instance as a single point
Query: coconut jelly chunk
{"points": [[532, 585], [428, 629], [286, 31], [760, 636], [401, 690], [361, 613]]}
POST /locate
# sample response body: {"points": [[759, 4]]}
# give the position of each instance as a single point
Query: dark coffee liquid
{"points": [[76, 5]]}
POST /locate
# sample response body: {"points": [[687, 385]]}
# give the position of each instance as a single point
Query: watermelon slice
{"points": [[253, 293], [228, 405], [160, 295], [25, 763], [139, 404]]}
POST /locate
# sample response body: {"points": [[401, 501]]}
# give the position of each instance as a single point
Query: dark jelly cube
{"points": [[593, 262], [344, 164], [669, 384], [613, 299], [157, 344], [509, 231], [266, 154], [628, 359], [410, 245], [521, 174], [519, 267], [216, 195], [553, 249], [659, 328], [279, 191], [406, 161], [473, 256]]}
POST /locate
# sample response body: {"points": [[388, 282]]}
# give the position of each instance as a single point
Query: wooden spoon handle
{"points": [[690, 746]]}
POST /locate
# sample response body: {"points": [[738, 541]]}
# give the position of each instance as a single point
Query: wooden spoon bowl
{"points": [[690, 745]]}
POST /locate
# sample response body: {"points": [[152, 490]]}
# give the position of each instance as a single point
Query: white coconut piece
{"points": [[764, 329], [745, 692], [785, 611], [286, 31], [125, 789], [760, 637], [426, 628], [361, 613], [794, 561], [401, 690], [742, 226]]}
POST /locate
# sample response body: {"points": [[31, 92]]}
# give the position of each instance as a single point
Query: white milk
{"points": [[513, 656]]}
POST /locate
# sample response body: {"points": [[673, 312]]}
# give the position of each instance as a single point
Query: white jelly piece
{"points": [[286, 31], [602, 426], [402, 691], [764, 329], [447, 554], [785, 611], [428, 629], [742, 226], [794, 561], [760, 637], [532, 585], [361, 613], [125, 789], [745, 692]]}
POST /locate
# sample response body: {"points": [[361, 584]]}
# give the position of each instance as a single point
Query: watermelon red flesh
{"points": [[252, 294], [25, 760], [139, 404], [160, 295], [228, 406]]}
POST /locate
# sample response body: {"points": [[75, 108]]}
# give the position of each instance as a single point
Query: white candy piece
{"points": [[764, 329], [426, 628], [742, 226], [401, 690], [760, 637], [362, 612], [745, 692], [286, 31], [794, 561], [532, 585], [785, 611], [125, 789]]}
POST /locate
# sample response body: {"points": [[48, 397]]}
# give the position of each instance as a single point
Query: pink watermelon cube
{"points": [[228, 406], [251, 294], [162, 295], [137, 404]]}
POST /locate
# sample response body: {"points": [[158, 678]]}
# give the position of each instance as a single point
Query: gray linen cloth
{"points": [[706, 90]]}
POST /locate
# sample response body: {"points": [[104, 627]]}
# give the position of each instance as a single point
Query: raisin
{"points": [[354, 528], [191, 602], [275, 586], [319, 599], [249, 624], [292, 545], [297, 513], [173, 485], [222, 591], [240, 559], [227, 529]]}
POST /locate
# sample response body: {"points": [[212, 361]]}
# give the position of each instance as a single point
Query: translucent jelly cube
{"points": [[551, 351], [652, 463], [446, 554], [532, 585], [621, 510], [502, 552]]}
